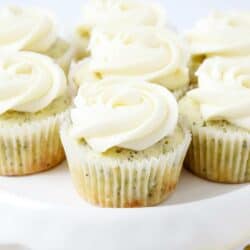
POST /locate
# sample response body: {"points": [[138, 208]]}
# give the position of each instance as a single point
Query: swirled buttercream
{"points": [[222, 33], [122, 13], [155, 55], [224, 90], [29, 82], [26, 29], [123, 112]]}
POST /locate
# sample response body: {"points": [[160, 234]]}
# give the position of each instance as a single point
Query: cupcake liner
{"points": [[123, 183], [219, 156], [30, 147]]}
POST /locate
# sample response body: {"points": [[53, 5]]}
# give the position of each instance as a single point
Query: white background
{"points": [[183, 13]]}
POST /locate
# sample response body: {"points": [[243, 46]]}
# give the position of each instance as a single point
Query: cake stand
{"points": [[44, 212]]}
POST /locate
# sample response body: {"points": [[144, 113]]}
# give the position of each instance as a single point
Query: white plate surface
{"points": [[62, 192], [39, 211]]}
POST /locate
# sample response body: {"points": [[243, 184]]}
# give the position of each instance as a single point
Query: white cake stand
{"points": [[43, 212]]}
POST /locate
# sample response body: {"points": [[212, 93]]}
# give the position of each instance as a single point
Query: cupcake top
{"points": [[123, 112], [155, 55], [29, 82], [26, 29], [222, 33], [224, 90], [120, 13]]}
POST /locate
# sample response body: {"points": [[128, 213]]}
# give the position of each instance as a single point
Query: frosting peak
{"points": [[155, 55], [221, 34], [29, 82], [123, 112], [224, 90], [120, 13], [26, 29]]}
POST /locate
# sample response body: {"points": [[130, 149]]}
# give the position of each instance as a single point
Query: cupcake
{"points": [[220, 34], [123, 143], [155, 55], [219, 117], [33, 102], [31, 29], [116, 14]]}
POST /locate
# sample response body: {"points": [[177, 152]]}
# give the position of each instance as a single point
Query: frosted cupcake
{"points": [[33, 102], [116, 14], [220, 34], [218, 114], [32, 29], [155, 55], [123, 143]]}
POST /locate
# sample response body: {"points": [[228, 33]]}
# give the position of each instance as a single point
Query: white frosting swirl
{"points": [[157, 56], [81, 73], [221, 34], [26, 29], [29, 82], [224, 90], [123, 112], [122, 13]]}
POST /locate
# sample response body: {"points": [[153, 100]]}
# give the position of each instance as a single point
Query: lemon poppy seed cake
{"points": [[33, 29], [219, 34], [33, 102], [218, 115], [155, 55], [116, 14], [123, 143]]}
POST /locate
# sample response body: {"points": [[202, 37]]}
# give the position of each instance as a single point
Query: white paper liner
{"points": [[31, 147], [220, 156], [122, 183]]}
